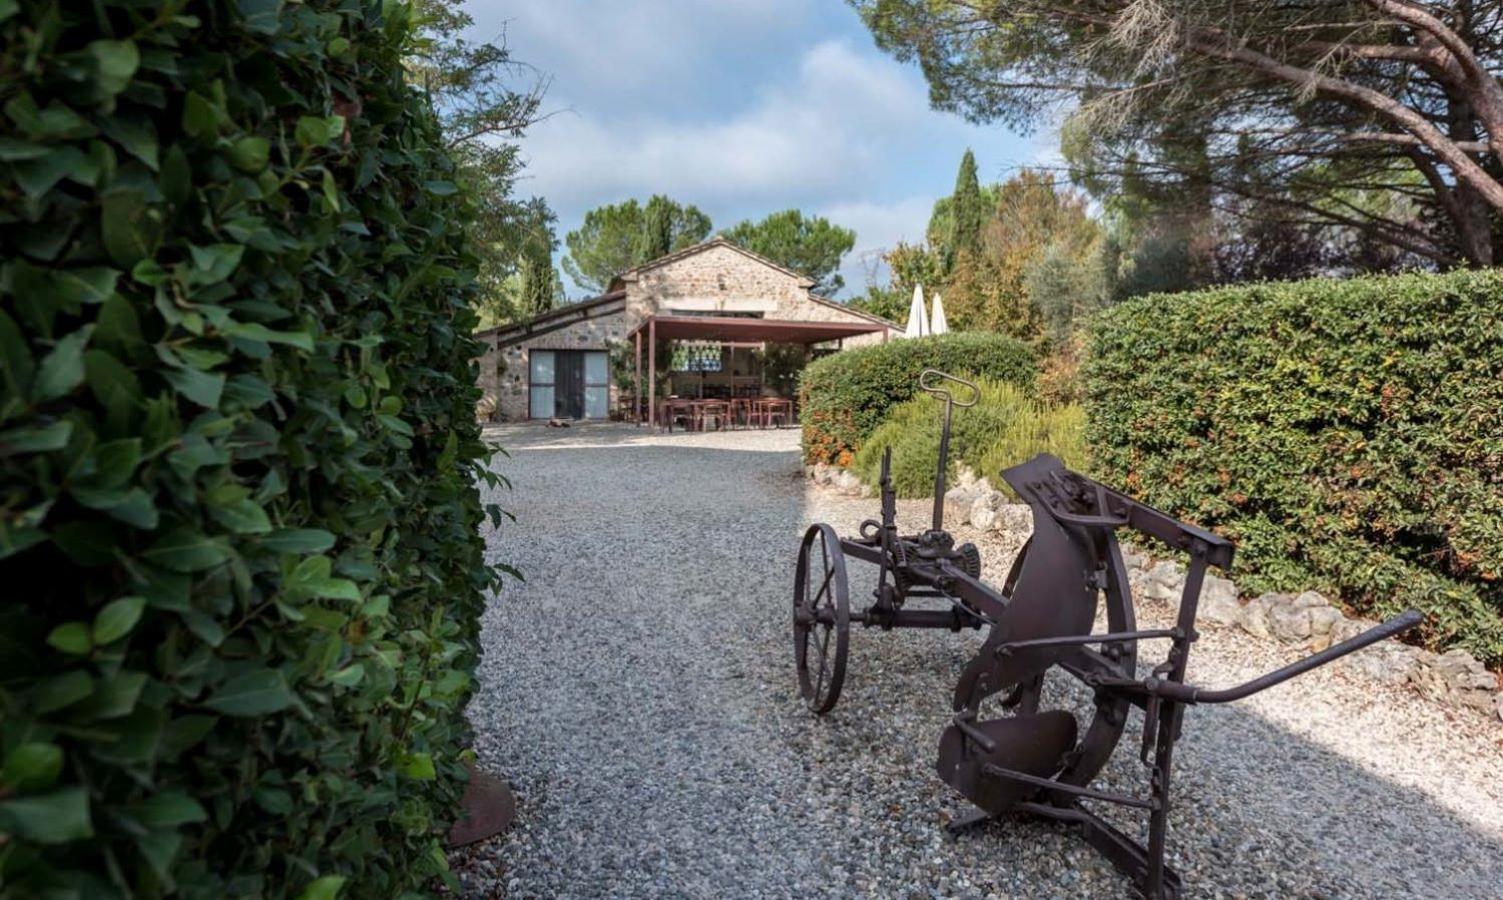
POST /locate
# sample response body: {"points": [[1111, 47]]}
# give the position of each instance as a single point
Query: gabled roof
{"points": [[554, 319], [732, 329], [714, 242]]}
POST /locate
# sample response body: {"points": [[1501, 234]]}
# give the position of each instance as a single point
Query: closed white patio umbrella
{"points": [[918, 319], [937, 324]]}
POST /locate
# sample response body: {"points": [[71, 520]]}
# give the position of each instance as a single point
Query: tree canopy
{"points": [[1038, 260], [1373, 116], [620, 236], [809, 245], [486, 100]]}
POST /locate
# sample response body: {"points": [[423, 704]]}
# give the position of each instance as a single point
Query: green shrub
{"points": [[237, 454], [1007, 426], [1346, 434], [845, 396]]}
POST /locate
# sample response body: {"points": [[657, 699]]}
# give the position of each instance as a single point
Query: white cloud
{"points": [[829, 128], [608, 47]]}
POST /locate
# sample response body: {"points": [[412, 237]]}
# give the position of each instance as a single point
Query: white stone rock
{"points": [[1255, 614], [1324, 619], [1014, 518], [1309, 600], [1429, 681], [1466, 681], [1348, 628], [1465, 672], [1288, 622], [1165, 582], [1218, 602], [986, 510], [1387, 662], [958, 501], [1133, 558]]}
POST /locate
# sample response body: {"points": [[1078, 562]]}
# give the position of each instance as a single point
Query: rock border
{"points": [[1308, 620]]}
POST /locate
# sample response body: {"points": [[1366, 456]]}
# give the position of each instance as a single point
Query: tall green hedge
{"points": [[1347, 434], [238, 526], [845, 396]]}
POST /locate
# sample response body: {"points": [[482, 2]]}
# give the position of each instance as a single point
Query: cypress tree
{"points": [[657, 230], [537, 291], [967, 210]]}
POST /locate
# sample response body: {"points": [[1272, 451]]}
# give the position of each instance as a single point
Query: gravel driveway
{"points": [[638, 691]]}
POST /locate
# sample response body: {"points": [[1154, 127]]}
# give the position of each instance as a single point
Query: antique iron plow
{"points": [[1028, 761]]}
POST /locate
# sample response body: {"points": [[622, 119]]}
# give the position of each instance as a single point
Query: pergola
{"points": [[729, 330]]}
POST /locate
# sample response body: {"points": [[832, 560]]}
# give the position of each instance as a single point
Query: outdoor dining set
{"points": [[704, 413]]}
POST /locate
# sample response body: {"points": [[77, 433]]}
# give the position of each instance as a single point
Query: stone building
{"points": [[713, 311]]}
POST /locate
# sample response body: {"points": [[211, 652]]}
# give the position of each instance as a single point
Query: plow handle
{"points": [[1191, 694]]}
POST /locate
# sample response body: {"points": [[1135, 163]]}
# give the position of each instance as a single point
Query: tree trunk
{"points": [[1471, 214]]}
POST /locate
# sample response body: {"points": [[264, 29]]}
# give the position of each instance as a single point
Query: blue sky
{"points": [[742, 107]]}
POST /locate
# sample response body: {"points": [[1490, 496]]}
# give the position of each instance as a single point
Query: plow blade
{"points": [[1032, 744]]}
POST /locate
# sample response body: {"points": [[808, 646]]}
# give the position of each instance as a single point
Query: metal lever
{"points": [[1190, 694], [932, 380], [967, 727]]}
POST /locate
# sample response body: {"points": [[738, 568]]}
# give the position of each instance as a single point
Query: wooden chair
{"points": [[676, 409], [717, 410], [777, 413]]}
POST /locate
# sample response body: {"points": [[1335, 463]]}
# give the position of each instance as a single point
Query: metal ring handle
{"points": [[931, 380]]}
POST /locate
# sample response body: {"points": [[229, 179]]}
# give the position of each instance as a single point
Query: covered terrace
{"points": [[729, 331]]}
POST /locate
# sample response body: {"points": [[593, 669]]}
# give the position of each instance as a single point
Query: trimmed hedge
{"points": [[845, 396], [237, 454], [1006, 426], [1346, 434]]}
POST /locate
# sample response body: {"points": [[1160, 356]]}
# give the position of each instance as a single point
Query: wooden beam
{"points": [[636, 401], [652, 373]]}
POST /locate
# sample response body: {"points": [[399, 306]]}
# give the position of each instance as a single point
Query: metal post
{"points": [[939, 475], [652, 373], [636, 401], [1171, 714]]}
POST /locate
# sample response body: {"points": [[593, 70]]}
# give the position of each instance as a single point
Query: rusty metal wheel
{"points": [[821, 618]]}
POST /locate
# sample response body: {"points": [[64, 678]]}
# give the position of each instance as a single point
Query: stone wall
{"points": [[510, 365], [719, 279]]}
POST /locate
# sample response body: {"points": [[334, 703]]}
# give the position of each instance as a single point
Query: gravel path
{"points": [[638, 691]]}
